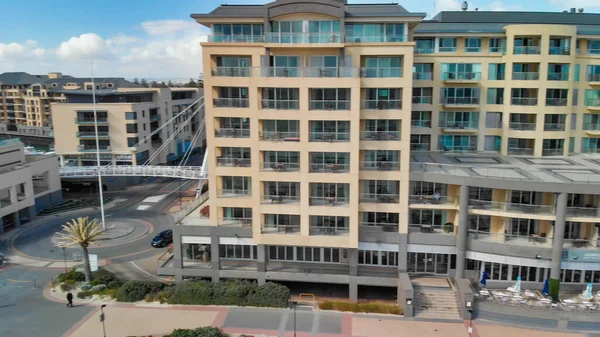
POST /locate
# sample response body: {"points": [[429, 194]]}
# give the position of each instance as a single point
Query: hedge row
{"points": [[377, 308], [207, 331]]}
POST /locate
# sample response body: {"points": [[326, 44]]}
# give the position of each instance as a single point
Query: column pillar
{"points": [[214, 256], [32, 213], [402, 252], [1, 225], [17, 217], [261, 263], [352, 262], [557, 244], [463, 231], [62, 161], [353, 290]]}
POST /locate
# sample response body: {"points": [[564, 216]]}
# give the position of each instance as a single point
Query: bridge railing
{"points": [[192, 172]]}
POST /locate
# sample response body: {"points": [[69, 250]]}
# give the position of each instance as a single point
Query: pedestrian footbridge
{"points": [[184, 172]]}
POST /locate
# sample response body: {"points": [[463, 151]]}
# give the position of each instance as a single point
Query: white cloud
{"points": [[121, 40], [166, 27], [39, 52], [86, 46]]}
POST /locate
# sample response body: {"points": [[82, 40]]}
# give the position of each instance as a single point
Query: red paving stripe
{"points": [[297, 334], [252, 331], [81, 322], [475, 332], [347, 325], [220, 318]]}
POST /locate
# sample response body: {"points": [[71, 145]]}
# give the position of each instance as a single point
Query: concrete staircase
{"points": [[435, 302]]}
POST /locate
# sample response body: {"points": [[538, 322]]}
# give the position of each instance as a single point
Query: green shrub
{"points": [[207, 331], [134, 291], [84, 294], [115, 284], [102, 276], [72, 275], [192, 292], [269, 295], [233, 292], [163, 295], [67, 285], [372, 307]]}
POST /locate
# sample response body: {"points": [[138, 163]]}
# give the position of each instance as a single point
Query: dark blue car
{"points": [[163, 238]]}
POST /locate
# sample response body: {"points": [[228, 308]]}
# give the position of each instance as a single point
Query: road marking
{"points": [[107, 215], [155, 198], [143, 207], [145, 272], [167, 185], [17, 281], [283, 323]]}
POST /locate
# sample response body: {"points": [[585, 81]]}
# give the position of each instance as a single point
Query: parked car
{"points": [[163, 238]]}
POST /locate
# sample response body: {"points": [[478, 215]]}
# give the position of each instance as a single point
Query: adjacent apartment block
{"points": [[28, 184], [357, 144]]}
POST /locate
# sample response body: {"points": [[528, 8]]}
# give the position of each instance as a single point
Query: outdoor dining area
{"points": [[514, 295]]}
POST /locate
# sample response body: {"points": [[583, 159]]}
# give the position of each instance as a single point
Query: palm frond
{"points": [[80, 231]]}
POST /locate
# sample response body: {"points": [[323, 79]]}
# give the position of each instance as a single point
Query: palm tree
{"points": [[81, 232]]}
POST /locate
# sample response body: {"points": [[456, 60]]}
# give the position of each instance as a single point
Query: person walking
{"points": [[70, 299]]}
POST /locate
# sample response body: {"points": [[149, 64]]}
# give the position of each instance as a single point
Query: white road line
{"points": [[145, 272], [143, 207], [155, 198], [164, 187], [107, 215]]}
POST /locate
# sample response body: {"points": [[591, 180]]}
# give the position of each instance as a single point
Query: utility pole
{"points": [[102, 319], [97, 146]]}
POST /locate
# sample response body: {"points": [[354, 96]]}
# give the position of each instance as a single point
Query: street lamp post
{"points": [[97, 146], [102, 319], [65, 258], [293, 307]]}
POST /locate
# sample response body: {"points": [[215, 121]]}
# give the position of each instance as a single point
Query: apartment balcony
{"points": [[92, 134], [233, 162], [525, 101], [332, 231], [330, 105], [593, 51], [367, 72], [282, 72], [303, 38], [447, 49], [592, 103], [280, 199], [422, 76], [467, 102], [553, 152], [156, 140], [506, 207], [556, 102], [382, 105], [92, 148], [420, 123], [232, 72], [424, 50], [235, 222], [154, 118], [526, 76], [526, 50], [376, 38], [554, 126], [559, 50], [380, 165], [520, 151], [537, 241], [458, 148], [232, 133], [460, 126], [422, 100], [593, 79], [429, 231], [269, 104], [328, 201], [329, 168], [594, 150], [236, 38], [501, 50], [519, 126], [420, 146], [461, 77], [280, 229], [231, 102], [583, 212], [329, 137], [234, 193], [277, 136], [88, 121], [432, 201], [281, 167], [592, 128], [380, 198], [331, 72], [378, 227], [380, 135], [552, 76]]}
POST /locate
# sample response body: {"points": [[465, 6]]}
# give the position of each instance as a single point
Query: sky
{"points": [[153, 39]]}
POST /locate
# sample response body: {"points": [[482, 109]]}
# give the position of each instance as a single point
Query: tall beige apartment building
{"points": [[358, 144]]}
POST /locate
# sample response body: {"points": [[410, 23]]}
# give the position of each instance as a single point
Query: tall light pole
{"points": [[97, 146], [102, 319]]}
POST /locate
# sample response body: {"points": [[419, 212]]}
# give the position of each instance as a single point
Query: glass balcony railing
{"points": [[432, 199], [286, 136], [154, 118], [461, 76], [231, 102], [583, 212], [527, 50], [83, 120], [424, 50], [458, 148], [329, 136], [527, 101], [237, 38], [447, 49], [379, 227], [92, 148], [556, 102], [327, 230], [331, 72], [231, 192], [513, 239], [553, 152], [592, 126], [460, 125], [472, 49], [329, 168], [460, 100], [520, 151], [376, 38], [233, 162], [593, 77], [232, 71], [592, 102], [423, 76], [554, 126], [380, 198], [232, 133], [420, 123], [280, 166], [590, 149], [235, 221], [552, 76], [280, 199], [380, 135], [380, 165], [420, 146], [422, 100], [92, 134], [382, 105], [593, 51], [380, 72], [328, 201], [304, 38], [526, 76], [511, 207], [501, 50], [280, 104], [280, 229], [329, 105], [559, 50], [282, 71]]}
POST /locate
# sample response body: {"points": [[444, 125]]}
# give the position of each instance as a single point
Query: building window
{"points": [[493, 120], [492, 143], [131, 128], [576, 72], [377, 258], [240, 252], [497, 45], [496, 71], [472, 45], [447, 44], [495, 96], [421, 119], [132, 141], [130, 115], [573, 121], [575, 99]]}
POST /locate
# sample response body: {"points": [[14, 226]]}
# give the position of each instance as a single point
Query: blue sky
{"points": [[151, 38]]}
